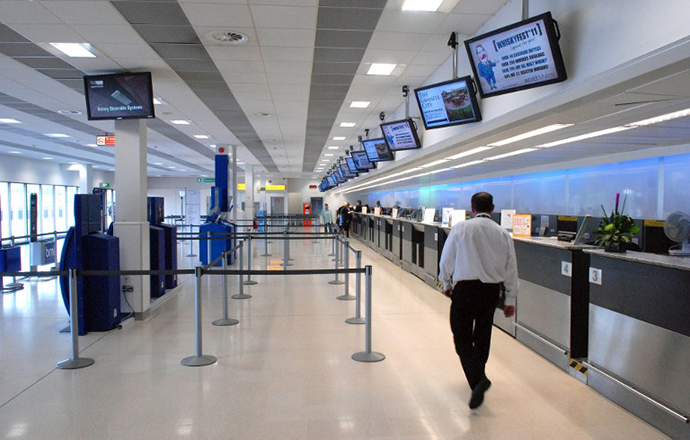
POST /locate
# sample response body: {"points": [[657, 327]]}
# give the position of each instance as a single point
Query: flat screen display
{"points": [[339, 176], [346, 172], [448, 103], [520, 56], [361, 161], [119, 96], [377, 150], [351, 165], [332, 181], [401, 135]]}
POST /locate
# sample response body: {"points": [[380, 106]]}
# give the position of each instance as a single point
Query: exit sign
{"points": [[105, 141], [312, 187], [206, 180]]}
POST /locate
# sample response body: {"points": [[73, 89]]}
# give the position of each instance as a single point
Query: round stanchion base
{"points": [[373, 356], [336, 282], [250, 283], [73, 364], [241, 296], [346, 297], [288, 264], [199, 361], [192, 255], [266, 255], [355, 321], [225, 321]]}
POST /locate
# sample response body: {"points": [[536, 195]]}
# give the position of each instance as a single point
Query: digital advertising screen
{"points": [[520, 56], [448, 103], [377, 150], [362, 162], [332, 181], [119, 96], [401, 135], [351, 165], [339, 175], [344, 169]]}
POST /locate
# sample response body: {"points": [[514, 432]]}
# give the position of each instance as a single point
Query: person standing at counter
{"points": [[357, 220], [477, 257], [345, 218], [326, 218]]}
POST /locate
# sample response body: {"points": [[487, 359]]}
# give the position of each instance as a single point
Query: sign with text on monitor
{"points": [[401, 135], [377, 150], [119, 96], [448, 103], [105, 141], [517, 57]]}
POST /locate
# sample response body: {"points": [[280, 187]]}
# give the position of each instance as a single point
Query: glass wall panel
{"points": [[47, 209], [5, 208], [60, 208], [71, 192], [18, 220]]}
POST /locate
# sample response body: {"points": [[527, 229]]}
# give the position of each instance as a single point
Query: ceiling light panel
{"points": [[180, 122], [421, 5], [529, 134], [512, 153], [347, 124], [360, 104], [662, 118], [339, 138], [74, 50], [468, 153], [9, 121], [381, 69], [583, 137]]}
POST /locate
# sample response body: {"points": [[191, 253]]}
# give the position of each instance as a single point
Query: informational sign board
{"points": [[429, 214], [522, 225], [457, 216], [445, 217], [193, 206], [365, 210], [507, 218]]}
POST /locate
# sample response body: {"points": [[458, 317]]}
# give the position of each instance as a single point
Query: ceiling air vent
{"points": [[228, 37]]}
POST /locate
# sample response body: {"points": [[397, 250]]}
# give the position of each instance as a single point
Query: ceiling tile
{"points": [[398, 41], [85, 12], [26, 12], [283, 17], [343, 39], [127, 50], [465, 24], [108, 34], [181, 51], [286, 37], [409, 21], [479, 6], [338, 55], [167, 34], [223, 15], [287, 54], [49, 33], [236, 53], [288, 67], [240, 66], [346, 19]]}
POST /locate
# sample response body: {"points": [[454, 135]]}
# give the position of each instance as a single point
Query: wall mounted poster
{"points": [[457, 216], [522, 225], [445, 217], [507, 218]]}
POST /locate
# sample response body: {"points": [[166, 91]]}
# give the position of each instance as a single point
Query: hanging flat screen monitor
{"points": [[362, 162], [344, 169], [377, 150], [119, 96], [401, 135], [448, 103], [351, 165], [339, 176], [517, 57], [332, 181]]}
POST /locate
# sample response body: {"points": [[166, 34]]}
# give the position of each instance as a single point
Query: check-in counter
{"points": [[433, 245], [369, 219], [380, 233], [397, 241], [388, 238], [553, 299], [639, 335], [408, 249]]}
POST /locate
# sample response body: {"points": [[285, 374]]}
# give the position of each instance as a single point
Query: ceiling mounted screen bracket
{"points": [[453, 43]]}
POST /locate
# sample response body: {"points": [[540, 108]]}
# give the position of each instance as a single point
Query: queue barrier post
{"points": [[315, 227], [199, 359], [357, 319], [346, 296], [225, 320], [75, 361], [266, 252], [367, 355], [241, 295], [332, 254], [249, 281], [286, 250], [336, 281]]}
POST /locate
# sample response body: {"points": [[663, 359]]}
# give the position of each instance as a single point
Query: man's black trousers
{"points": [[471, 318]]}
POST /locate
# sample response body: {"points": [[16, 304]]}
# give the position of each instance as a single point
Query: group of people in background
{"points": [[343, 220]]}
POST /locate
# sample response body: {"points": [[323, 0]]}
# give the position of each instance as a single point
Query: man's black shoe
{"points": [[478, 393]]}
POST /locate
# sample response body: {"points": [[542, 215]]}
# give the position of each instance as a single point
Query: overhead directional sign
{"points": [[206, 180]]}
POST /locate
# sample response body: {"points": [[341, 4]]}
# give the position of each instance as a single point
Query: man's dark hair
{"points": [[359, 201], [483, 202]]}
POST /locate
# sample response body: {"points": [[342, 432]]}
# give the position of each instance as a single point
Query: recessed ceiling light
{"points": [[15, 152], [512, 153], [333, 147], [529, 134], [329, 155], [91, 145], [347, 124], [158, 163], [468, 153], [213, 145], [47, 158], [9, 121], [158, 101], [662, 118], [201, 136], [421, 5], [74, 50], [381, 69], [339, 138], [360, 104], [434, 163], [180, 122], [463, 165], [182, 170], [582, 137], [172, 168], [57, 135]]}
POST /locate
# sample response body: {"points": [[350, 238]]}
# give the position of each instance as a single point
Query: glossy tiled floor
{"points": [[285, 371]]}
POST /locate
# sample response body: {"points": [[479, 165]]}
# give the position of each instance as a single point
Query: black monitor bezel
{"points": [[346, 171], [473, 98], [112, 75], [554, 35], [378, 160], [412, 125], [365, 169]]}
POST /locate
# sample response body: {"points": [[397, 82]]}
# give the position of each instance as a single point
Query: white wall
{"points": [[299, 193], [17, 169], [169, 188]]}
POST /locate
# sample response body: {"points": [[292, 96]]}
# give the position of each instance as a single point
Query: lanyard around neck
{"points": [[482, 214]]}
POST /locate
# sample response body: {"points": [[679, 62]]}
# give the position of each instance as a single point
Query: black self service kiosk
{"points": [[163, 247], [87, 248]]}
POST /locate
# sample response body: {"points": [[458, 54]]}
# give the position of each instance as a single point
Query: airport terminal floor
{"points": [[285, 371]]}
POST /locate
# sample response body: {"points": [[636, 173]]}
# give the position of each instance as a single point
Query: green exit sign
{"points": [[206, 180], [105, 185]]}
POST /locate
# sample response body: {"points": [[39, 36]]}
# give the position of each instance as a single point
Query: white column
{"points": [[235, 200], [85, 178], [249, 191], [263, 198], [132, 226]]}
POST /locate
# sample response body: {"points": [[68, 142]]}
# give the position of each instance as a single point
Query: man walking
{"points": [[326, 218], [477, 257]]}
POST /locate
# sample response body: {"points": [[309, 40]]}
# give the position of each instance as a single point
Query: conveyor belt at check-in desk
{"points": [[553, 299], [639, 335]]}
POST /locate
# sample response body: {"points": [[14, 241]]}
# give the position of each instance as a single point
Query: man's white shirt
{"points": [[480, 249]]}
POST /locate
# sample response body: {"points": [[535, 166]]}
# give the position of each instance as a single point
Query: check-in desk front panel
{"points": [[433, 240], [388, 238], [640, 335], [380, 233], [552, 301], [397, 241]]}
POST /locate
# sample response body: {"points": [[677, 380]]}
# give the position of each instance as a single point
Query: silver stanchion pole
{"points": [[367, 355], [208, 248], [191, 242], [332, 254], [336, 281], [315, 229], [249, 281], [346, 296], [225, 320], [199, 359], [357, 319], [266, 252], [241, 295], [286, 250], [75, 361]]}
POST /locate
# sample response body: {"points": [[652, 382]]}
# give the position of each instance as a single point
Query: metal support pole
{"points": [[191, 243], [266, 252], [525, 9], [225, 320], [358, 287], [208, 248], [332, 254], [336, 281], [199, 359], [241, 295], [75, 361], [346, 296], [249, 281], [286, 250], [315, 228], [367, 355]]}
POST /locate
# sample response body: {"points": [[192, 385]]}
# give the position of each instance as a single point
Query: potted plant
{"points": [[616, 230]]}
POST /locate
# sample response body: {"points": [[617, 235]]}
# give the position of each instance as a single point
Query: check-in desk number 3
{"points": [[595, 275]]}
